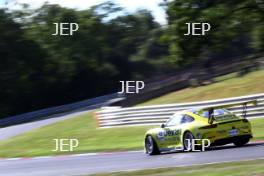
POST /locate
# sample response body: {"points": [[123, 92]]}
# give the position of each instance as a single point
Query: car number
{"points": [[233, 132]]}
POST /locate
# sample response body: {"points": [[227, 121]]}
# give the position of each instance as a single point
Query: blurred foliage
{"points": [[237, 28], [39, 70]]}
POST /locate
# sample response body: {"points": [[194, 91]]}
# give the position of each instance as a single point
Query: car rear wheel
{"points": [[241, 141], [151, 146], [187, 140]]}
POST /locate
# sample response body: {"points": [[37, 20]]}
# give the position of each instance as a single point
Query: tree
{"points": [[41, 70], [230, 27]]}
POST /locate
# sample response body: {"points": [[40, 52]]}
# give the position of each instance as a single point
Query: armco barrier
{"points": [[157, 114], [65, 109], [192, 75]]}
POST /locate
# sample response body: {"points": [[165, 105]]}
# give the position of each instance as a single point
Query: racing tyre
{"points": [[187, 140], [241, 141], [151, 146]]}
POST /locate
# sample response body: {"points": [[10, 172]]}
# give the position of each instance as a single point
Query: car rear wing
{"points": [[227, 105]]}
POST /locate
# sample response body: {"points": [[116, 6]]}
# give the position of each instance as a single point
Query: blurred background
{"points": [[38, 70]]}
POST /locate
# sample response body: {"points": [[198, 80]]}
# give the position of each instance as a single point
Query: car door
{"points": [[174, 127], [172, 131]]}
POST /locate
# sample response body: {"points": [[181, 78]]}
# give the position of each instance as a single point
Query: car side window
{"points": [[186, 119], [174, 120]]}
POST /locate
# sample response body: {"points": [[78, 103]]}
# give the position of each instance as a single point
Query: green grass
{"points": [[91, 139], [243, 168], [227, 86], [258, 128], [40, 142]]}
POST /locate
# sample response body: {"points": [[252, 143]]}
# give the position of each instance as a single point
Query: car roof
{"points": [[192, 110]]}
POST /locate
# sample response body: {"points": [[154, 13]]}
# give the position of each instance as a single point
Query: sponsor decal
{"points": [[172, 134]]}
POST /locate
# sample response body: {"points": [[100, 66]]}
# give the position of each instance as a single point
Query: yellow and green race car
{"points": [[216, 125]]}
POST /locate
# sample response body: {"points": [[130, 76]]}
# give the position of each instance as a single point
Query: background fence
{"points": [[155, 115], [64, 109], [193, 75]]}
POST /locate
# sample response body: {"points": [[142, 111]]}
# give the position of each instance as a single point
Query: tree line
{"points": [[39, 70]]}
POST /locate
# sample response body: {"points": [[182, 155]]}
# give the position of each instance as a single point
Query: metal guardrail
{"points": [[157, 114], [64, 109], [193, 75]]}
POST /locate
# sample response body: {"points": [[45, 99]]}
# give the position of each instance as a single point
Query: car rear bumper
{"points": [[230, 140]]}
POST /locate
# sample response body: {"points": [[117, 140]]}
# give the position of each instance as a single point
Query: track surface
{"points": [[15, 130], [110, 162], [12, 131]]}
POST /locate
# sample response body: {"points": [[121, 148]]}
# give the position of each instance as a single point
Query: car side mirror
{"points": [[162, 125]]}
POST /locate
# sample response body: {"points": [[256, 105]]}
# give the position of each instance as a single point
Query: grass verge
{"points": [[40, 142], [228, 86], [243, 168]]}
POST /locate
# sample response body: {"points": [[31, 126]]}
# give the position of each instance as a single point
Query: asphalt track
{"points": [[8, 132], [15, 130], [124, 161]]}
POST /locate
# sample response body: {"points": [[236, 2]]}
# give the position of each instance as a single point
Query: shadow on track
{"points": [[215, 148], [231, 146]]}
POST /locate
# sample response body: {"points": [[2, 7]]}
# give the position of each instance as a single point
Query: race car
{"points": [[215, 124]]}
